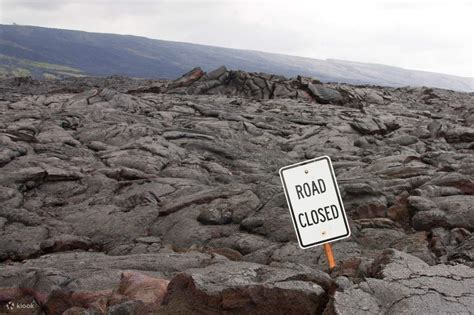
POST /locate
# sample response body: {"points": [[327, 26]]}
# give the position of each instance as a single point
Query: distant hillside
{"points": [[46, 52]]}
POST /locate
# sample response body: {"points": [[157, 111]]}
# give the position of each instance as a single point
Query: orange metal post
{"points": [[329, 256]]}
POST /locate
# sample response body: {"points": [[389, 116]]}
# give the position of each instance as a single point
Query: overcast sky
{"points": [[429, 35]]}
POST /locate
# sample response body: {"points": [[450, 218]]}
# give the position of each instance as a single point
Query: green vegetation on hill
{"points": [[12, 66]]}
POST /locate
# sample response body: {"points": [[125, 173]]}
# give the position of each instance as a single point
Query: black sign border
{"points": [[285, 188]]}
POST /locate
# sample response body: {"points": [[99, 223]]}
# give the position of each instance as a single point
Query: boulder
{"points": [[240, 287]]}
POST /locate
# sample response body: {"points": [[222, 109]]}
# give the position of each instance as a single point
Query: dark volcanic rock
{"points": [[111, 187], [243, 288], [254, 85]]}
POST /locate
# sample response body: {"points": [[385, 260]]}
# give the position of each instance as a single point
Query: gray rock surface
{"points": [[401, 283], [111, 187]]}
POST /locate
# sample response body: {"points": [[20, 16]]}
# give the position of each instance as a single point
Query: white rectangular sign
{"points": [[315, 202]]}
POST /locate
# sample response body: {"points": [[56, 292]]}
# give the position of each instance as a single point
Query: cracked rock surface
{"points": [[128, 196], [403, 283]]}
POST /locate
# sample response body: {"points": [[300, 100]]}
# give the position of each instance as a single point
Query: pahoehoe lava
{"points": [[133, 196]]}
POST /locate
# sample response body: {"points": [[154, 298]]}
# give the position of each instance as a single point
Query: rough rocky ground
{"points": [[123, 196]]}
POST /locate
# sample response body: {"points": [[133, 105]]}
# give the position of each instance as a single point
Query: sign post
{"points": [[329, 255], [315, 204]]}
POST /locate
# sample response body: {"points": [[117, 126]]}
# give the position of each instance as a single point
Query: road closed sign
{"points": [[315, 203]]}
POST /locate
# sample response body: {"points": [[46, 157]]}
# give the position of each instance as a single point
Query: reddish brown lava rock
{"points": [[370, 210], [187, 79], [138, 286], [399, 211], [348, 268]]}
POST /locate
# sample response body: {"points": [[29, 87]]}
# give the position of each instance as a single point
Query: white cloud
{"points": [[429, 35]]}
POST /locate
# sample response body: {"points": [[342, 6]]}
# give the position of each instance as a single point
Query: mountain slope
{"points": [[109, 54]]}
